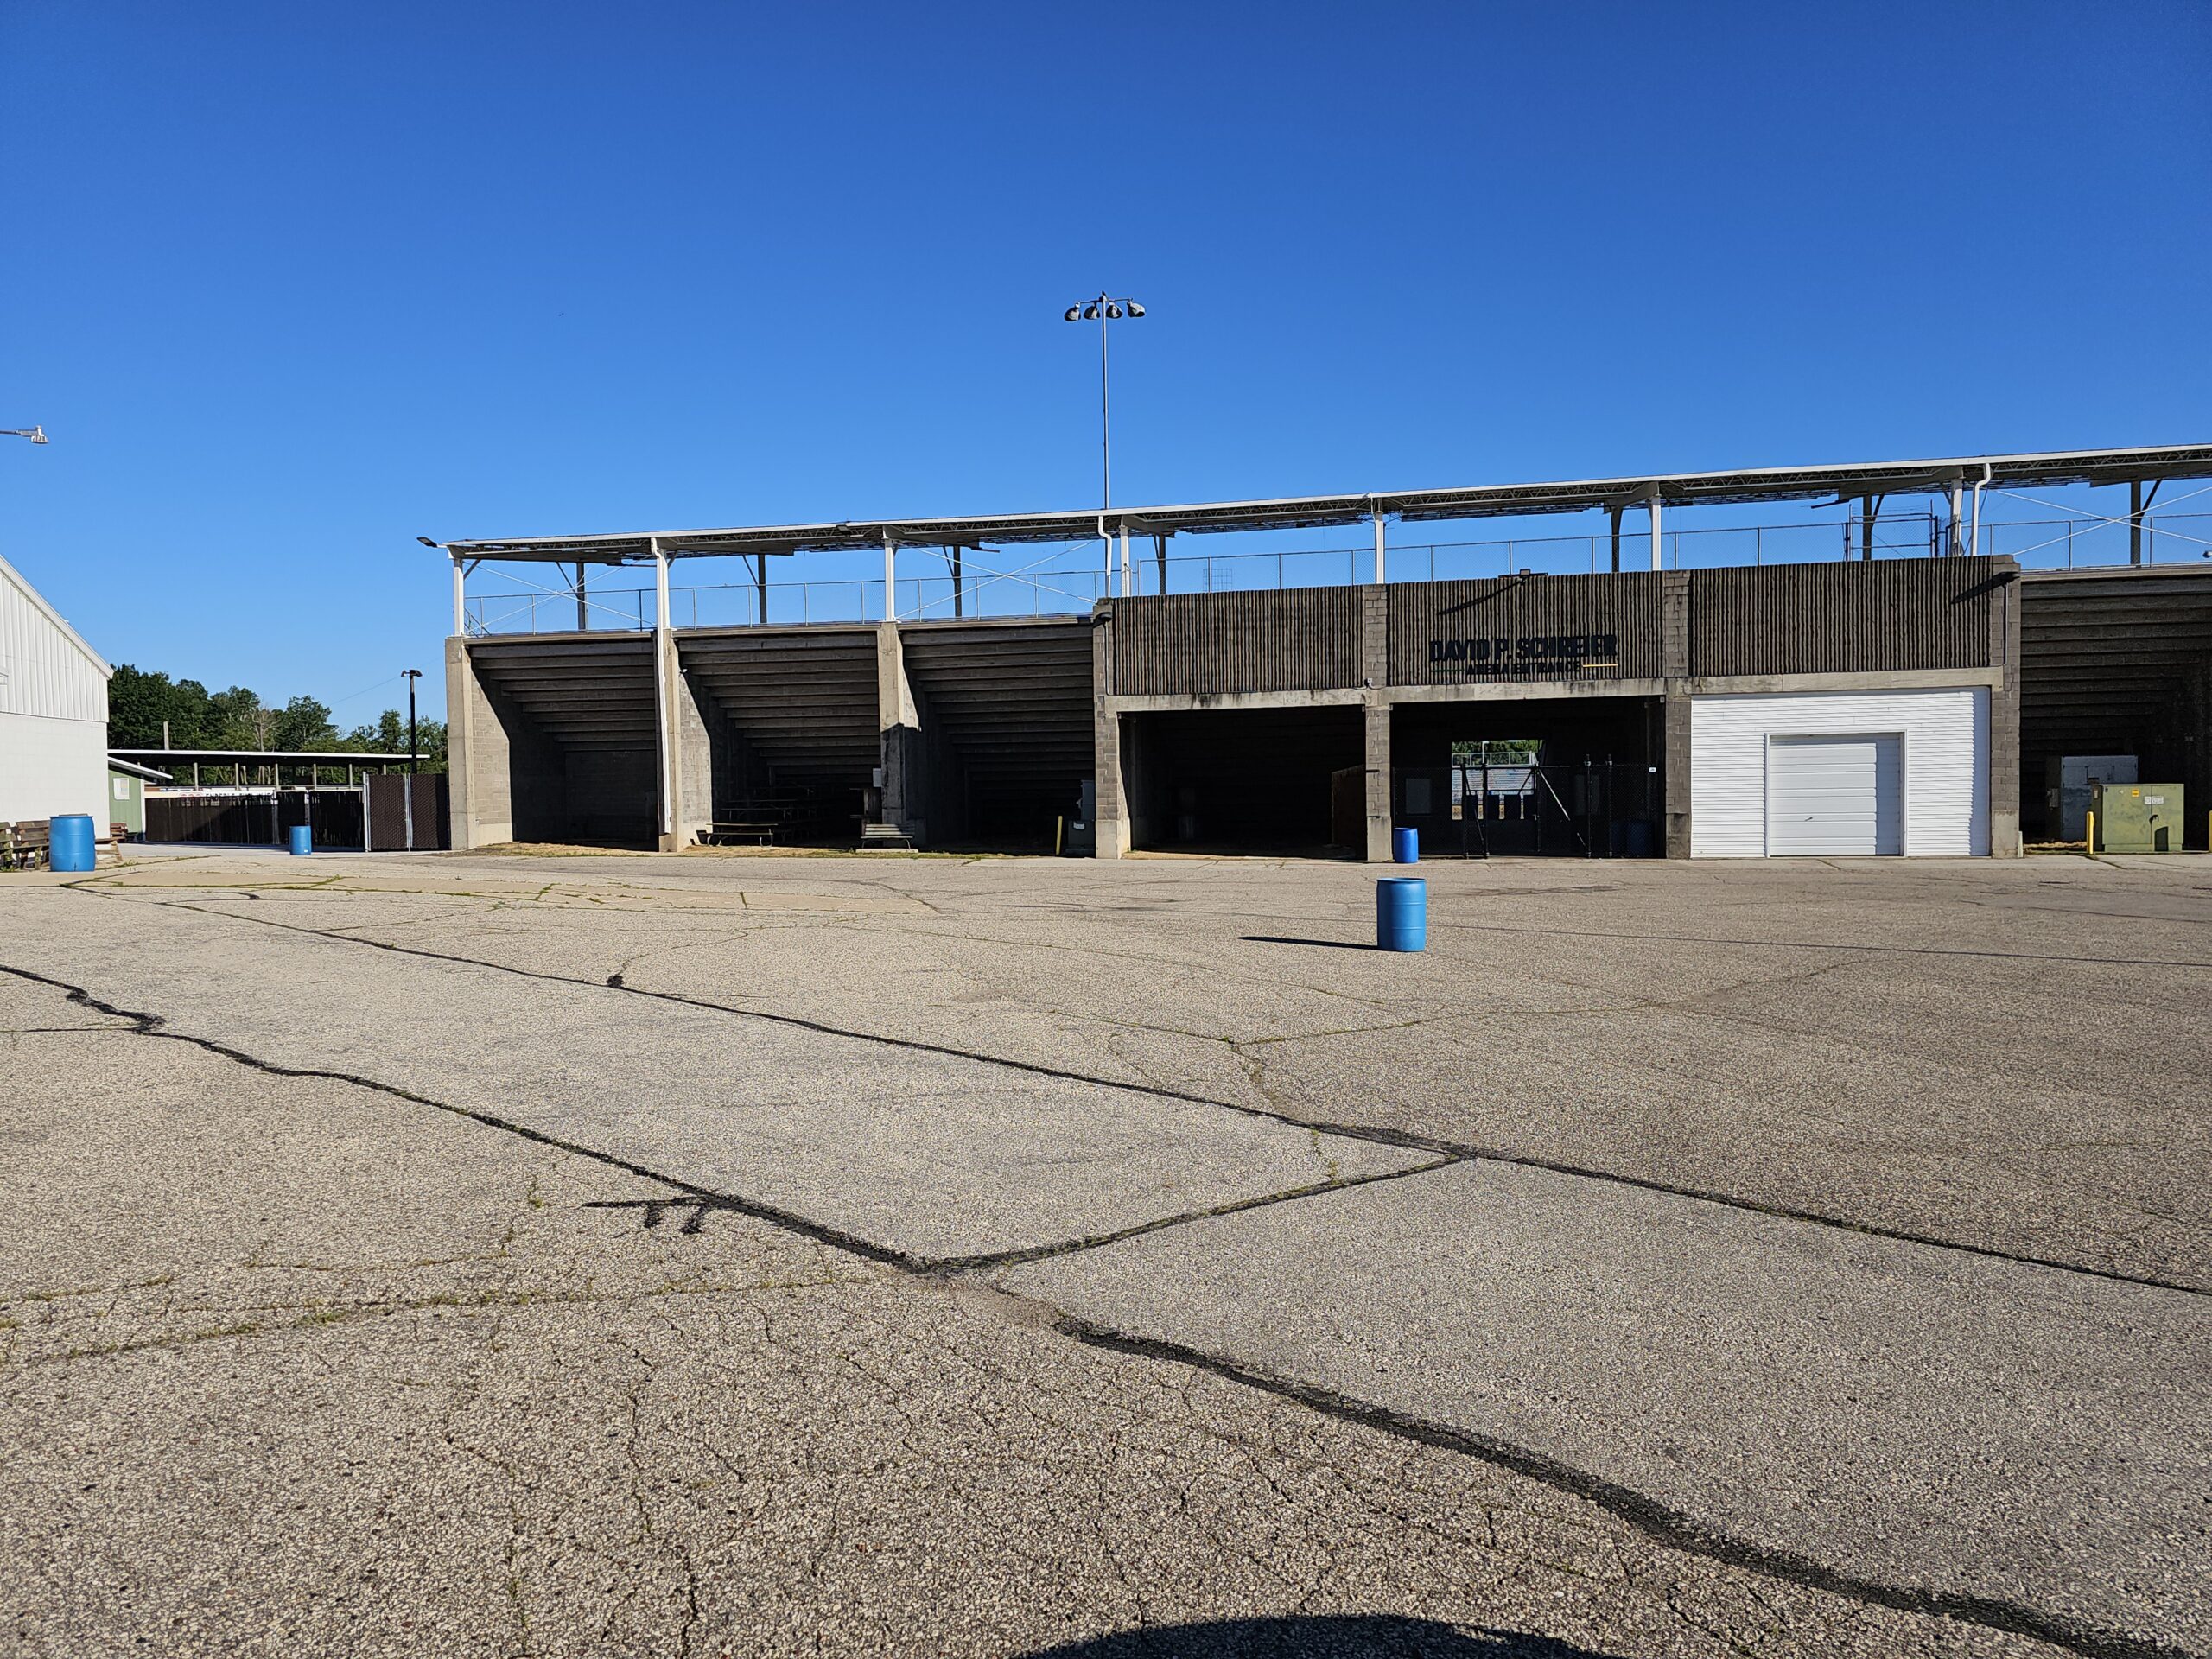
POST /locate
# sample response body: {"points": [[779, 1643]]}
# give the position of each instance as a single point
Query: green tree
{"points": [[303, 724], [138, 703], [237, 720], [389, 736]]}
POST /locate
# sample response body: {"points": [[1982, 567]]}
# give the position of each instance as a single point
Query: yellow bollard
{"points": [[2091, 845]]}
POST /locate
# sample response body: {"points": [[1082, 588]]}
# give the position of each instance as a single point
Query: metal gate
{"points": [[406, 813], [1592, 809]]}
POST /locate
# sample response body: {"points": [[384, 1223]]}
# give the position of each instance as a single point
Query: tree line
{"points": [[138, 703]]}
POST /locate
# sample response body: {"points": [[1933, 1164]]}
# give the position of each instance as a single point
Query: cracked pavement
{"points": [[496, 1255]]}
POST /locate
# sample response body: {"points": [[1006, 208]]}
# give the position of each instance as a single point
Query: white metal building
{"points": [[53, 712]]}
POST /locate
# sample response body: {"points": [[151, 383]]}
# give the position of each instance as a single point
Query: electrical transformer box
{"points": [[2139, 817]]}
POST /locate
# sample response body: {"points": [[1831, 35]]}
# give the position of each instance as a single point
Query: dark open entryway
{"points": [[1254, 781], [1570, 776]]}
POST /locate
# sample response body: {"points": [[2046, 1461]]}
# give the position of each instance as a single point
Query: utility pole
{"points": [[411, 675]]}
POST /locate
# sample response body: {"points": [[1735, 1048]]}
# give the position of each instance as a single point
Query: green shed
{"points": [[126, 791]]}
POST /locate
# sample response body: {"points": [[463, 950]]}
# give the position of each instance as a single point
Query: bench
{"points": [[25, 846], [760, 831]]}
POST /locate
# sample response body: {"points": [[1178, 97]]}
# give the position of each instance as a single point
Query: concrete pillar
{"points": [[1109, 810], [1676, 665], [899, 721], [2004, 721], [691, 722], [1375, 701], [480, 789]]}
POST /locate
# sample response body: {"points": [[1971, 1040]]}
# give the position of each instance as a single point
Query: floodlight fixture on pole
{"points": [[1105, 309], [36, 434]]}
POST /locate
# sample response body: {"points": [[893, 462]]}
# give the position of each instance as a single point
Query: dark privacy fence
{"points": [[262, 820], [337, 817]]}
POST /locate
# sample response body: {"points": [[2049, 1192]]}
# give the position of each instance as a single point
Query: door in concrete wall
{"points": [[1836, 795]]}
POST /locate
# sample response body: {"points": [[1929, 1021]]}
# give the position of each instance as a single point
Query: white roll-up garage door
{"points": [[1835, 795], [1896, 772]]}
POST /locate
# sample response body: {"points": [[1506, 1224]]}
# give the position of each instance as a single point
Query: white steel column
{"points": [[890, 577], [664, 703], [1377, 517], [1125, 561], [1958, 490], [1658, 562], [460, 601]]}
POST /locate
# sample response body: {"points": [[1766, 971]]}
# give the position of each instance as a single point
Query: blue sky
{"points": [[290, 285]]}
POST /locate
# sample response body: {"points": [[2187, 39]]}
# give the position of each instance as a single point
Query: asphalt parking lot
{"points": [[491, 1255]]}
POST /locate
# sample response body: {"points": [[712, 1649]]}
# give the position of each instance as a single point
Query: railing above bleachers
{"points": [[1069, 580]]}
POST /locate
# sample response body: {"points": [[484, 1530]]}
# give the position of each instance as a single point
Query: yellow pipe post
{"points": [[2092, 844]]}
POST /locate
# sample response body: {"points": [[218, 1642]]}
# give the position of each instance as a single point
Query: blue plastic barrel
{"points": [[70, 844], [1401, 914], [1405, 845], [302, 839]]}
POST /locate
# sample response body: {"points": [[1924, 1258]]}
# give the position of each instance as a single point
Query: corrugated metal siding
{"points": [[1523, 612], [1304, 639], [43, 671], [1827, 619], [1946, 764]]}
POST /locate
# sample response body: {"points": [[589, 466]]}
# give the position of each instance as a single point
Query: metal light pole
{"points": [[1105, 309], [36, 434], [410, 677]]}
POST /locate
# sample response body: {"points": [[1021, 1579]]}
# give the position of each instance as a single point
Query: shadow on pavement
{"points": [[1326, 944], [1364, 1636]]}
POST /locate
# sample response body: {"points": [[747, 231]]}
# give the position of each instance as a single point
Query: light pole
{"points": [[410, 677], [1104, 310], [36, 434]]}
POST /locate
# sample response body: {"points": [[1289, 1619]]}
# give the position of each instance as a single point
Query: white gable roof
{"points": [[16, 579], [46, 670]]}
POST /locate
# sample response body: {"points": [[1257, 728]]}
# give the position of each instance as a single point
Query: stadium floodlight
{"points": [[1106, 308], [36, 434], [426, 541]]}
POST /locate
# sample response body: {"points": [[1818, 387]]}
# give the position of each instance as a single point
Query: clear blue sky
{"points": [[290, 284]]}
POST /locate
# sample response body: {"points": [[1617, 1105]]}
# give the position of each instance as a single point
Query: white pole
{"points": [[1378, 546], [662, 701], [1957, 523], [1657, 563], [1125, 561], [890, 577], [460, 602]]}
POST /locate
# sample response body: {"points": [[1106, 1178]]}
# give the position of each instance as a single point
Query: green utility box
{"points": [[2137, 818]]}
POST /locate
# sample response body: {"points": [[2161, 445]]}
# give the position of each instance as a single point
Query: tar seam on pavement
{"points": [[1661, 1521], [1451, 1151]]}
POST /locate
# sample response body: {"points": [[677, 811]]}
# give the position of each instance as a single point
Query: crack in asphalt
{"points": [[1403, 1140], [1672, 1527], [1662, 1522]]}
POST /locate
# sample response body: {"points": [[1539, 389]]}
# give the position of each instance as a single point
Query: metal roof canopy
{"points": [[1307, 513], [268, 757]]}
